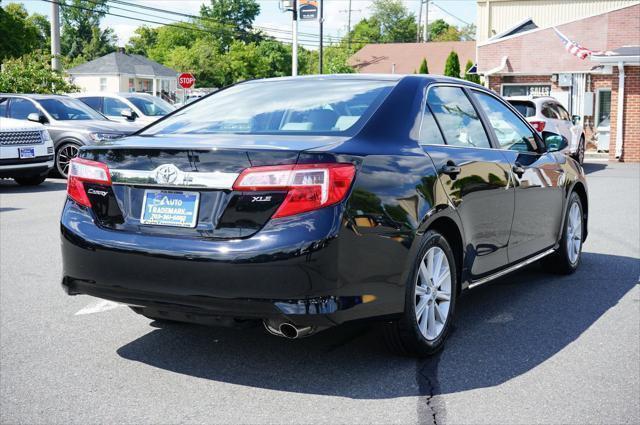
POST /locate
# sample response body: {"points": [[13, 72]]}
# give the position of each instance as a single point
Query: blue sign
{"points": [[169, 208]]}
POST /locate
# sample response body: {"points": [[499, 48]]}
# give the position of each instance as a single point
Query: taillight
{"points": [[538, 125], [82, 170], [308, 186]]}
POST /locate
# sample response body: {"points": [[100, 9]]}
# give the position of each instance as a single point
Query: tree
{"points": [[450, 34], [396, 23], [474, 78], [142, 41], [21, 33], [436, 28], [452, 65], [31, 73], [81, 28], [468, 32], [231, 20], [424, 68]]}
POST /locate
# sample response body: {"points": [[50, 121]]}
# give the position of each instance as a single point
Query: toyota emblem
{"points": [[167, 174]]}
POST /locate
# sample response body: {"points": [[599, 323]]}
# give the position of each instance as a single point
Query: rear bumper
{"points": [[289, 270]]}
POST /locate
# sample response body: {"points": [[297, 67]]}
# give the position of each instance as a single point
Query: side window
{"points": [[429, 131], [112, 107], [549, 111], [511, 132], [3, 106], [457, 118], [21, 108], [94, 103], [563, 113]]}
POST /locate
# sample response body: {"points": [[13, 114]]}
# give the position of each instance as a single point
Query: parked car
{"points": [[71, 123], [127, 107], [26, 151], [307, 202], [547, 114]]}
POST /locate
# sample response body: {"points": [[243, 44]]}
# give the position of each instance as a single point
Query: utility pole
{"points": [[321, 24], [55, 36], [419, 23], [425, 34], [349, 10], [294, 46]]}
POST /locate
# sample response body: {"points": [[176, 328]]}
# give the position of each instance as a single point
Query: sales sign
{"points": [[307, 10]]}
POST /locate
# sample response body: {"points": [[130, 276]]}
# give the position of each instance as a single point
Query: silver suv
{"points": [[71, 123], [26, 152], [547, 114]]}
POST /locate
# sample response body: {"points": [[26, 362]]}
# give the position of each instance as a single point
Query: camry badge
{"points": [[167, 174]]}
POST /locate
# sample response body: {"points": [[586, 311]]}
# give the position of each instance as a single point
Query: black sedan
{"points": [[303, 203]]}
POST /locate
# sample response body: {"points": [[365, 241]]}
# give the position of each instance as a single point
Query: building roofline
{"points": [[509, 37]]}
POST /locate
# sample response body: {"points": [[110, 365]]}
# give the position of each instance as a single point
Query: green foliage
{"points": [[468, 32], [439, 30], [452, 65], [82, 39], [21, 33], [474, 78], [230, 20], [424, 68], [396, 23], [31, 73], [144, 38]]}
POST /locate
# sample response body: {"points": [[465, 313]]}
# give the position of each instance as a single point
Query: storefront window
{"points": [[526, 90]]}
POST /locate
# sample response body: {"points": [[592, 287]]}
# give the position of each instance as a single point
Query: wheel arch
{"points": [[451, 231]]}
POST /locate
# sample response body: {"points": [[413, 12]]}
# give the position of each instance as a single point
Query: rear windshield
{"points": [[277, 107], [527, 109]]}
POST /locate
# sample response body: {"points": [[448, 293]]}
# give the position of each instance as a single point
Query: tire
{"points": [[579, 155], [567, 258], [30, 181], [64, 154], [421, 335]]}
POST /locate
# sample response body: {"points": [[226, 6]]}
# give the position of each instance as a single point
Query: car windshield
{"points": [[67, 109], [527, 109], [150, 105], [311, 106]]}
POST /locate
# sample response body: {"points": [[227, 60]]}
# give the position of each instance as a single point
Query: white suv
{"points": [[127, 107], [547, 114], [26, 151]]}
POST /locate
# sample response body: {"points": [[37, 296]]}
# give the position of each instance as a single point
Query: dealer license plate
{"points": [[170, 208], [26, 153]]}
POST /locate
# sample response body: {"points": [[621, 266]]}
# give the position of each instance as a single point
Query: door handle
{"points": [[451, 169], [518, 169]]}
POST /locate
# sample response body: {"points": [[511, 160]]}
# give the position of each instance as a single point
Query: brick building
{"points": [[534, 61]]}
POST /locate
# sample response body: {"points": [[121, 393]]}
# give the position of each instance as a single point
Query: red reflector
{"points": [[83, 170], [309, 186], [538, 125]]}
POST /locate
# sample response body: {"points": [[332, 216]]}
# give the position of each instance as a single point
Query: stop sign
{"points": [[186, 80]]}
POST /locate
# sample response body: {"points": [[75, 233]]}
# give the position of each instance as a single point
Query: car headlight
{"points": [[105, 136], [45, 136]]}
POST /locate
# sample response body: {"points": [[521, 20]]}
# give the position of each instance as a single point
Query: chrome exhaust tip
{"points": [[287, 330]]}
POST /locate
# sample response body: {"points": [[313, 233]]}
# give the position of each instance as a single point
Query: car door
{"points": [[569, 129], [113, 107], [475, 177], [537, 177]]}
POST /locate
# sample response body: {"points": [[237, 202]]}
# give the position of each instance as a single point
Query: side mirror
{"points": [[39, 118], [128, 114], [575, 119], [555, 142]]}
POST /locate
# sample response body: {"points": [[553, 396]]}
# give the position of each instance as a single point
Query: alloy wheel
{"points": [[574, 233], [65, 154], [581, 152], [433, 293]]}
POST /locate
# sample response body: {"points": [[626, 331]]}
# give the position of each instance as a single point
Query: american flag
{"points": [[576, 49]]}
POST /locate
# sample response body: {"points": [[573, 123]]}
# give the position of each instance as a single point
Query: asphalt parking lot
{"points": [[530, 348]]}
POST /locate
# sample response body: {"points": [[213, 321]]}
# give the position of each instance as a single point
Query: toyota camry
{"points": [[303, 203]]}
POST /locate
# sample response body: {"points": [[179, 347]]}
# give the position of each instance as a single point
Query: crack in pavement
{"points": [[430, 407]]}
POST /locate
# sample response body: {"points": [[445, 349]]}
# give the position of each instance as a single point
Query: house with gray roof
{"points": [[122, 72]]}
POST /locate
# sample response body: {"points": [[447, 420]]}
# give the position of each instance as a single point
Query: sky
{"points": [[459, 13]]}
